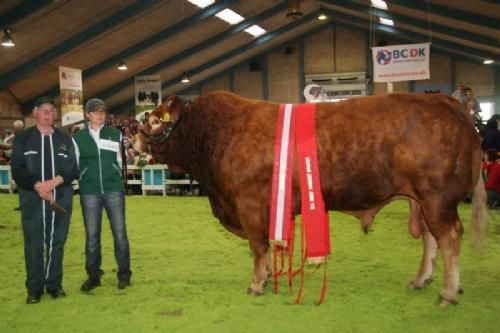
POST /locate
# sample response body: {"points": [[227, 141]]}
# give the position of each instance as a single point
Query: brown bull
{"points": [[371, 151]]}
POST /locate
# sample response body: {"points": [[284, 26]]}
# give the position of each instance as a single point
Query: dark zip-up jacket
{"points": [[27, 153]]}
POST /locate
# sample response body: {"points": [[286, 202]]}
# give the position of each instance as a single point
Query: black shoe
{"points": [[17, 208], [90, 284], [57, 292], [33, 299], [122, 284]]}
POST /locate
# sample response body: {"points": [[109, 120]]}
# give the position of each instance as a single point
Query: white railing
{"points": [[153, 177], [6, 181]]}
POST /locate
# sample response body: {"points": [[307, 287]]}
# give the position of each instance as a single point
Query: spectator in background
{"points": [[43, 167], [3, 158], [475, 116], [74, 130], [469, 97], [490, 155], [18, 126], [492, 185], [491, 138], [111, 121], [128, 145], [459, 94]]}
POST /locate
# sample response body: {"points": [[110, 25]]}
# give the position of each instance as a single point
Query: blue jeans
{"points": [[114, 204]]}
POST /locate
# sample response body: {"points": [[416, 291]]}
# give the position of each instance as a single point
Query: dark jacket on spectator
{"points": [[491, 136]]}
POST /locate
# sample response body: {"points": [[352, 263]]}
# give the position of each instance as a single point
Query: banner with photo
{"points": [[147, 95], [70, 84], [401, 62]]}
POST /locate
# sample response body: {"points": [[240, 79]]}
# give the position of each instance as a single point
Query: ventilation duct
{"points": [[338, 86]]}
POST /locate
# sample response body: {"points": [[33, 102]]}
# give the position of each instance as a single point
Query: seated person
{"points": [[488, 162]]}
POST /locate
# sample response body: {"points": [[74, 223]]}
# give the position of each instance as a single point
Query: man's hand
{"points": [[48, 196], [48, 185]]}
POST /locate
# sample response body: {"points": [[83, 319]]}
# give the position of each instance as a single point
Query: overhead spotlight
{"points": [[488, 61], [7, 39], [294, 9], [122, 66], [185, 78], [322, 14]]}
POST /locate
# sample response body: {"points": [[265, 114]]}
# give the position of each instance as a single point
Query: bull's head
{"points": [[152, 135]]}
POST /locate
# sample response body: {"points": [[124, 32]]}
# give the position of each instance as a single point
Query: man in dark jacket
{"points": [[43, 167]]}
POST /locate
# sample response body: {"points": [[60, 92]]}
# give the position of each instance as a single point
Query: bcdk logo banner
{"points": [[401, 62], [70, 84]]}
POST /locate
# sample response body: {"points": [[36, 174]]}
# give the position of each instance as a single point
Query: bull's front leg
{"points": [[428, 262], [260, 249]]}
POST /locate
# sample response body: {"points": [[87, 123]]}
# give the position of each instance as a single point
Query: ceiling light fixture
{"points": [[230, 16], [122, 66], [488, 61], [185, 78], [202, 3], [294, 9], [322, 15], [379, 4], [7, 40], [255, 30], [386, 21]]}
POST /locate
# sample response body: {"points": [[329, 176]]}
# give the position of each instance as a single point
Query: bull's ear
{"points": [[173, 107]]}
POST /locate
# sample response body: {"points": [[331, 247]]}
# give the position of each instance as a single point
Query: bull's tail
{"points": [[479, 213]]}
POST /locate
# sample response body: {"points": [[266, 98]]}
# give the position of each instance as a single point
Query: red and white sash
{"points": [[297, 124], [281, 208]]}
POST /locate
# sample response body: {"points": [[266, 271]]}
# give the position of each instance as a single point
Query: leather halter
{"points": [[157, 139]]}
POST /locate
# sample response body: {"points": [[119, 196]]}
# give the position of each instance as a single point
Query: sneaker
{"points": [[57, 292], [122, 284], [90, 284], [33, 299]]}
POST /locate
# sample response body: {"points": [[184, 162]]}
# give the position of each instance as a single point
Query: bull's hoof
{"points": [[446, 301], [460, 290], [417, 286], [412, 285], [252, 292]]}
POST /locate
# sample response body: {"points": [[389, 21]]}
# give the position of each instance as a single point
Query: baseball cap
{"points": [[95, 103], [44, 100]]}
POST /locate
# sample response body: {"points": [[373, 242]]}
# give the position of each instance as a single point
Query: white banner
{"points": [[401, 62], [70, 83], [147, 94]]}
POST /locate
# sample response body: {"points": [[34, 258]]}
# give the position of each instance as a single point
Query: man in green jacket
{"points": [[43, 167], [98, 150]]}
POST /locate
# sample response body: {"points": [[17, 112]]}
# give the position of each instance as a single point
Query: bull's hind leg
{"points": [[417, 228], [445, 226], [260, 250], [449, 243], [428, 262]]}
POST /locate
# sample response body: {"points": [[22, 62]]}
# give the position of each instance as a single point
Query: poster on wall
{"points": [[70, 84], [147, 95], [401, 62]]}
